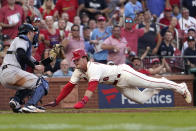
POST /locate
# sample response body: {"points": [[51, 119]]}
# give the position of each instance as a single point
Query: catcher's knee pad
{"points": [[41, 90]]}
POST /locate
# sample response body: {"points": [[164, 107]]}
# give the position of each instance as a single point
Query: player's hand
{"points": [[79, 105], [116, 49], [52, 104], [148, 48], [39, 68]]}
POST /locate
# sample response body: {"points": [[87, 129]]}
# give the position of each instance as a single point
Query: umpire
{"points": [[14, 76]]}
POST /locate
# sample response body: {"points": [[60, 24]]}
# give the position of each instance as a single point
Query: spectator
{"points": [[63, 71], [113, 6], [84, 19], [37, 3], [32, 11], [187, 21], [138, 65], [11, 17], [77, 21], [190, 51], [19, 2], [132, 35], [190, 4], [159, 68], [68, 24], [174, 3], [61, 27], [166, 48], [176, 12], [132, 8], [6, 44], [52, 35], [92, 25], [42, 28], [192, 33], [151, 38], [47, 9], [73, 43], [68, 6], [117, 18], [89, 48], [167, 18], [156, 7], [116, 46], [98, 36], [175, 32], [140, 17], [92, 7], [171, 27]]}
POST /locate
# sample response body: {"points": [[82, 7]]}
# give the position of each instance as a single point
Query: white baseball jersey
{"points": [[13, 76], [127, 79], [97, 72]]}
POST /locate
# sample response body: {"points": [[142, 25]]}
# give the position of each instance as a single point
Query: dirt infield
{"points": [[121, 110], [115, 110]]}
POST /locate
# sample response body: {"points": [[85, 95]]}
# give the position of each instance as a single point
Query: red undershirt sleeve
{"points": [[92, 85], [66, 90]]}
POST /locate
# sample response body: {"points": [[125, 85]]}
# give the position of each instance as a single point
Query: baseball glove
{"points": [[57, 50]]}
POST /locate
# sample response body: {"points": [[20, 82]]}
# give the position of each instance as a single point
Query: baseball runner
{"points": [[125, 78], [14, 76]]}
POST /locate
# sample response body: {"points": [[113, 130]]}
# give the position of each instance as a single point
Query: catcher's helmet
{"points": [[25, 28], [79, 53]]}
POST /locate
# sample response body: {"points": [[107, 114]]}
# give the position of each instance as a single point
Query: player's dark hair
{"points": [[87, 57]]}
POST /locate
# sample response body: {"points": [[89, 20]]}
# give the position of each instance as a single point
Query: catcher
{"points": [[14, 76], [125, 78]]}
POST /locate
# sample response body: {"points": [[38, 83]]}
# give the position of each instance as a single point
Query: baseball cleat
{"points": [[186, 94], [16, 107], [32, 109]]}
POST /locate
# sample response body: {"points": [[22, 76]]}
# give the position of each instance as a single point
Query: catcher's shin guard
{"points": [[21, 94], [39, 92]]}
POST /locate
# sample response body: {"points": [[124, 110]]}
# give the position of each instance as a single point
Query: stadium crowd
{"points": [[153, 36]]}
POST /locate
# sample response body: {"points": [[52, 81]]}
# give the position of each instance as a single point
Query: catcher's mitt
{"points": [[57, 50]]}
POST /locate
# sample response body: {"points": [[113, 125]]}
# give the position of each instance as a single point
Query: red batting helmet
{"points": [[77, 54]]}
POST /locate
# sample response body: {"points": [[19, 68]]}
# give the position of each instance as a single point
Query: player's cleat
{"points": [[186, 94], [32, 109], [41, 107], [16, 107]]}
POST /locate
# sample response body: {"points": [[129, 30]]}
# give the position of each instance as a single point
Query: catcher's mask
{"points": [[77, 54], [25, 28]]}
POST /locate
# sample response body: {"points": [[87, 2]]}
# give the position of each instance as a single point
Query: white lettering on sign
{"points": [[194, 3], [156, 99], [94, 5]]}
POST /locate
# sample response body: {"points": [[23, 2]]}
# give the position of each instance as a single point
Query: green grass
{"points": [[165, 120]]}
